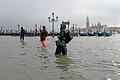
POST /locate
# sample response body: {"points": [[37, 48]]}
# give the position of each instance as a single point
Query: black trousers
{"points": [[22, 36], [61, 49]]}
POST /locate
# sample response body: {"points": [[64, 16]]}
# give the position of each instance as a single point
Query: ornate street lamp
{"points": [[53, 20]]}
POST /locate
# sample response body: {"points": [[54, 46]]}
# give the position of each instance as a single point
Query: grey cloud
{"points": [[30, 12]]}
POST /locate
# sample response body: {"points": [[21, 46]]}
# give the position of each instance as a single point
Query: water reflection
{"points": [[89, 58], [44, 57], [63, 63], [22, 44]]}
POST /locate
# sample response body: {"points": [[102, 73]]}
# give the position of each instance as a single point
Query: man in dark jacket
{"points": [[61, 45], [22, 33]]}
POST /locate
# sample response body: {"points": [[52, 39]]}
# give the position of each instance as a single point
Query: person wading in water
{"points": [[64, 38], [22, 33], [43, 35], [61, 45]]}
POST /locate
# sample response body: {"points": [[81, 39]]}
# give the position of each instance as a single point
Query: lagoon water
{"points": [[89, 58]]}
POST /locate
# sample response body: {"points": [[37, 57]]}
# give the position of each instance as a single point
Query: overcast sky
{"points": [[30, 12]]}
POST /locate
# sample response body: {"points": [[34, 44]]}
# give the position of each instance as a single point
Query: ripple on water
{"points": [[22, 54], [89, 56], [106, 79]]}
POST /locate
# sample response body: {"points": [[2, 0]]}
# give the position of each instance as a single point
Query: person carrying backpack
{"points": [[61, 45], [43, 35], [64, 37]]}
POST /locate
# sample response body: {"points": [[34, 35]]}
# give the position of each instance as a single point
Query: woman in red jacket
{"points": [[43, 35]]}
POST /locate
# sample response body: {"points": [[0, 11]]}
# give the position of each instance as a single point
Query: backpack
{"points": [[60, 43], [46, 33], [69, 37]]}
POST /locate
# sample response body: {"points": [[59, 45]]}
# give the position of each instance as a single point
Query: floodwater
{"points": [[89, 58]]}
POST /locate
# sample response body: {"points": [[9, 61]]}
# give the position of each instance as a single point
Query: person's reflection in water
{"points": [[63, 63], [22, 44], [44, 59]]}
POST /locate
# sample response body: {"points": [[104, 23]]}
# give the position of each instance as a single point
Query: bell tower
{"points": [[87, 22]]}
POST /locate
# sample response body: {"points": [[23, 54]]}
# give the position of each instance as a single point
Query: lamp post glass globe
{"points": [[49, 18], [52, 13]]}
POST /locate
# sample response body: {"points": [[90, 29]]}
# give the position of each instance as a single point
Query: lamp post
{"points": [[68, 24], [1, 30], [74, 28], [35, 29], [18, 28], [53, 20]]}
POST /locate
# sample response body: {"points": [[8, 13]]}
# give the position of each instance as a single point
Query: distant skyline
{"points": [[27, 13]]}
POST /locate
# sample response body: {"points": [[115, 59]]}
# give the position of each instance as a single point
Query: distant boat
{"points": [[104, 33], [83, 34], [108, 33], [100, 34], [92, 34]]}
